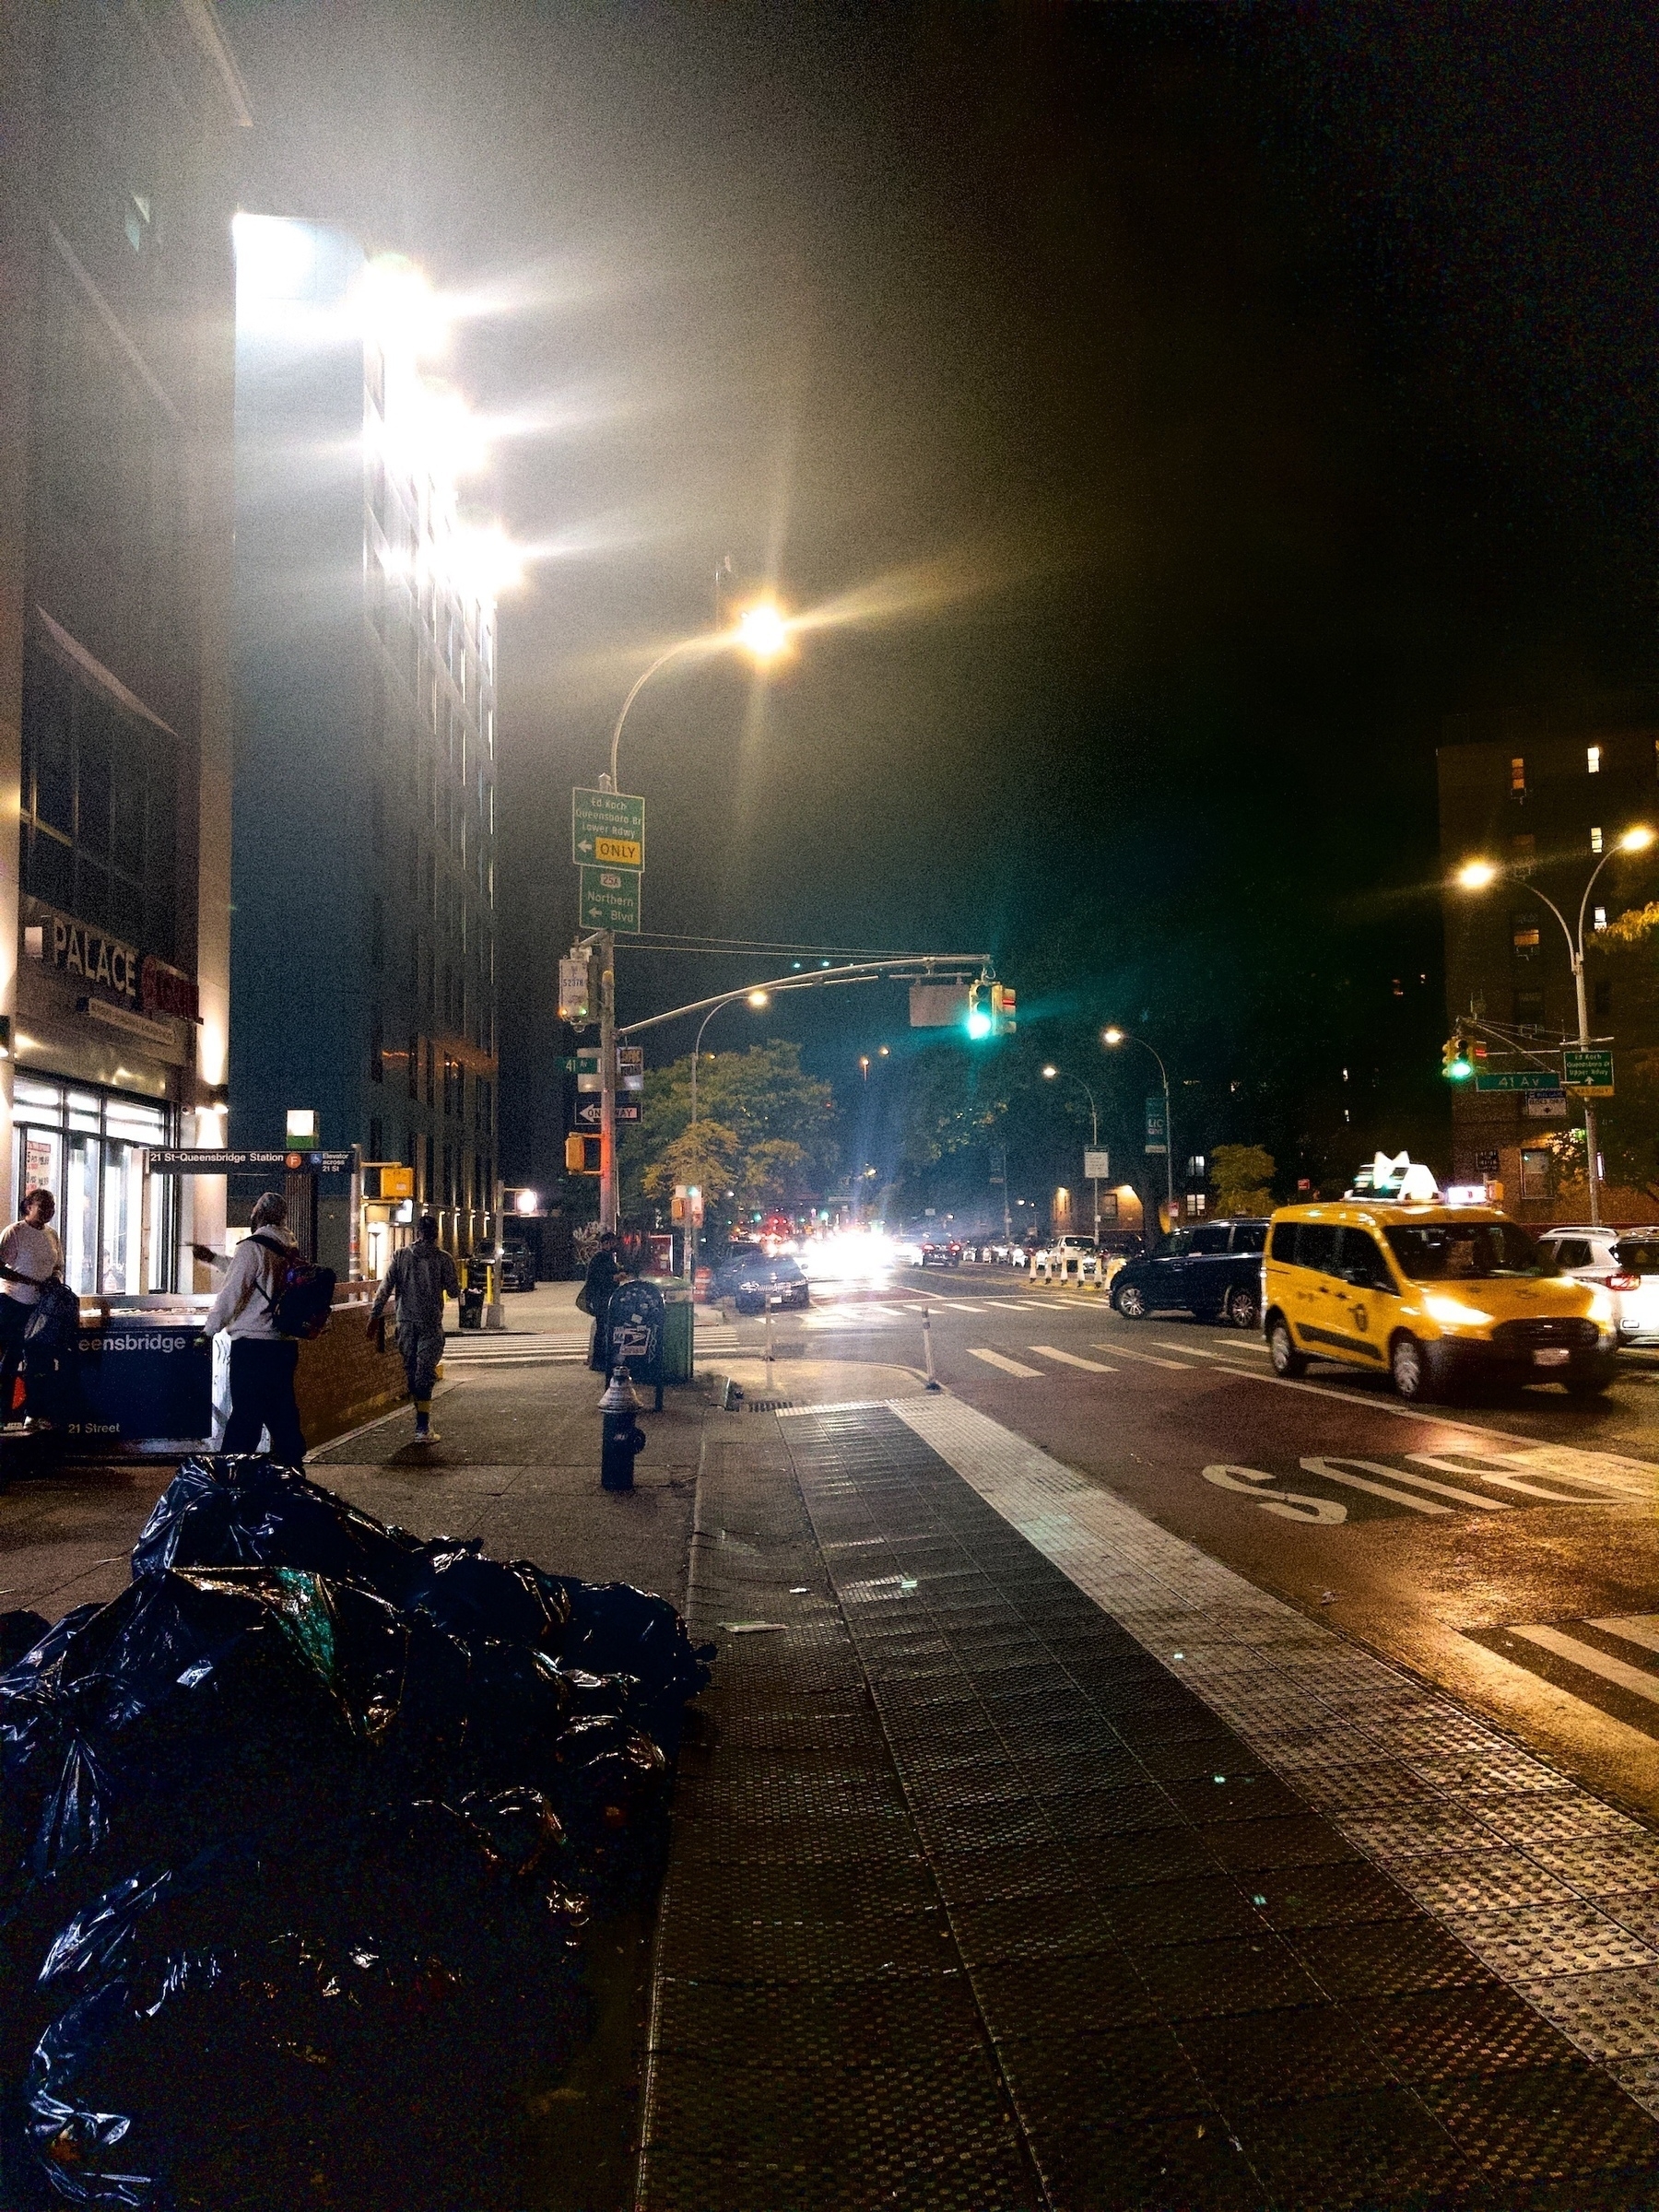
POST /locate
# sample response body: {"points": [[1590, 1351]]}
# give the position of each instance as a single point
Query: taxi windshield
{"points": [[1443, 1252]]}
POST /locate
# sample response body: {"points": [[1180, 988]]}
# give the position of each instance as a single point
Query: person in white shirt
{"points": [[263, 1361], [29, 1256]]}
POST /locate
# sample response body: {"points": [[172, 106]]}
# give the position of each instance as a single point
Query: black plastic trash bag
{"points": [[617, 1629], [471, 1595], [194, 1701], [243, 1510], [19, 1633]]}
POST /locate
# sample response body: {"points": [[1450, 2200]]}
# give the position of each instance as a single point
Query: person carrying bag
{"points": [[251, 1308]]}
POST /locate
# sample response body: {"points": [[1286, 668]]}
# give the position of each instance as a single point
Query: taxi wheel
{"points": [[1408, 1367], [1286, 1360], [1243, 1308], [1131, 1302]]}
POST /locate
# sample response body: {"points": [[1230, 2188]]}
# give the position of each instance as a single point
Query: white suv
{"points": [[1626, 1261]]}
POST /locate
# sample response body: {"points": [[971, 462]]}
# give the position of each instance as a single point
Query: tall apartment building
{"points": [[363, 945], [1545, 799], [116, 125]]}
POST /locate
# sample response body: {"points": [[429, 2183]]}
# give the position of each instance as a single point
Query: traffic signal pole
{"points": [[608, 1079]]}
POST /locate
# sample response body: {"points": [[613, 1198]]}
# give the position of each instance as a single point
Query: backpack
{"points": [[301, 1297]]}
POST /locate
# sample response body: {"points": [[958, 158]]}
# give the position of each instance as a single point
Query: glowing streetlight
{"points": [[762, 631], [1114, 1035], [1479, 875], [758, 999], [1111, 1036]]}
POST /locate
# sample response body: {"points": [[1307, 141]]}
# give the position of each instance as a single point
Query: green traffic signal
{"points": [[1455, 1064]]}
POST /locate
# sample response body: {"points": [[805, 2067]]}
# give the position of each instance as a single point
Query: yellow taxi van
{"points": [[1432, 1295]]}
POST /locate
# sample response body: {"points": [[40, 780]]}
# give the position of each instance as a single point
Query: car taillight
{"points": [[1622, 1282]]}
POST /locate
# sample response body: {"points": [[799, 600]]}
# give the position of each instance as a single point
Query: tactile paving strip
{"points": [[1227, 1891], [815, 2042]]}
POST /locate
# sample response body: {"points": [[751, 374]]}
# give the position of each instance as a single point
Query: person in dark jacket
{"points": [[420, 1277], [604, 1271]]}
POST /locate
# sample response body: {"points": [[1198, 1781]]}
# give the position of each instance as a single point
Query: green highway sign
{"points": [[608, 829], [1520, 1079], [1588, 1070], [610, 899]]}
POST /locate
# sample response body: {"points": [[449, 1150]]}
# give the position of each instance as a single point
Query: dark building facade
{"points": [[116, 126], [1545, 799], [363, 945]]}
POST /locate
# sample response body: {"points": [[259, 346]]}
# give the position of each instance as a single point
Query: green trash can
{"points": [[678, 1330]]}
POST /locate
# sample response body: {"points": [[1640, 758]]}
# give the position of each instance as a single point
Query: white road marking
{"points": [[1323, 1468], [955, 1305], [1123, 1352], [1009, 1367], [1052, 1351], [1015, 1305], [1635, 1628], [1634, 1679], [1240, 1342], [1192, 1351], [1426, 1482]]}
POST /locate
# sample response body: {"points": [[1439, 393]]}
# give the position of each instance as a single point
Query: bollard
{"points": [[621, 1436], [767, 1325], [927, 1348]]}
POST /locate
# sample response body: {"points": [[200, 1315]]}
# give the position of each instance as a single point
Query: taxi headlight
{"points": [[1602, 1308], [1451, 1314]]}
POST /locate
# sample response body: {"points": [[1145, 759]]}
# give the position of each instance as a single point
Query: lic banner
{"points": [[1157, 1133]]}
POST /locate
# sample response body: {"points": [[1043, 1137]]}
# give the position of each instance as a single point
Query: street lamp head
{"points": [[763, 631], [881, 1052], [1637, 840], [1050, 1073], [758, 999], [1111, 1036], [1476, 875]]}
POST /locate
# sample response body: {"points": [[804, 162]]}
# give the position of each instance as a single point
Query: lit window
{"points": [[1596, 841], [1518, 774], [1524, 935], [1601, 917], [1593, 760]]}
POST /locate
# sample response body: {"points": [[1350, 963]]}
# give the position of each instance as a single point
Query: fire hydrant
{"points": [[622, 1436]]}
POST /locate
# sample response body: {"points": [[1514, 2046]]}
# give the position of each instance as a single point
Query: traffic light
{"points": [[581, 1154], [1003, 1023], [1456, 1064], [993, 1016]]}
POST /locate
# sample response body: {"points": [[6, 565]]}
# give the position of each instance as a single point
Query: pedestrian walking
{"points": [[30, 1256], [419, 1278], [604, 1271], [263, 1360]]}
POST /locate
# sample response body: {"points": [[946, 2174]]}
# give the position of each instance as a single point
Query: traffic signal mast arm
{"points": [[916, 967]]}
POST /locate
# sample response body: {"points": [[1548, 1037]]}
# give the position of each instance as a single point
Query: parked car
{"points": [[1430, 1295], [941, 1252], [1214, 1271], [754, 1278], [1625, 1261], [515, 1266]]}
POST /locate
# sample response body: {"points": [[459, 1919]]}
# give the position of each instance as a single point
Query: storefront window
{"points": [[85, 1147]]}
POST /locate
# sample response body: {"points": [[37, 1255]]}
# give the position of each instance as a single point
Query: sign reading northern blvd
{"points": [[607, 828], [610, 899]]}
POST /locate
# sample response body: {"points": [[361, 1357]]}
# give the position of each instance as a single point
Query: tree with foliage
{"points": [[764, 1137], [1243, 1175]]}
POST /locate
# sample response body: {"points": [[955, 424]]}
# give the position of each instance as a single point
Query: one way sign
{"points": [[589, 1111]]}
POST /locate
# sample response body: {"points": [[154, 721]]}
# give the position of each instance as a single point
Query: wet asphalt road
{"points": [[1507, 1550]]}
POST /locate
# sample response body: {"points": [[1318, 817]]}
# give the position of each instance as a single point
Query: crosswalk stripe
{"points": [[1122, 1351], [1423, 1482], [1242, 1343], [1633, 1678], [1193, 1351], [1009, 1367], [1635, 1628], [1052, 1351], [1014, 1305]]}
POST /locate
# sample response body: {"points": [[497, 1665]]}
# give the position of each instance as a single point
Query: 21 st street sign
{"points": [[607, 828]]}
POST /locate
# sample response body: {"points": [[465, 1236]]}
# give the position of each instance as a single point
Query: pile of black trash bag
{"points": [[298, 1838]]}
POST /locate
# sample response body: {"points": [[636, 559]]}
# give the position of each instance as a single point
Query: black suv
{"points": [[1214, 1270], [754, 1278]]}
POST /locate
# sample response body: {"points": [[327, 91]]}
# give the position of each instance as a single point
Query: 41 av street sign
{"points": [[1519, 1079], [607, 828]]}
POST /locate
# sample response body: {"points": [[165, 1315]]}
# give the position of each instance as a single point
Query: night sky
{"points": [[1177, 410]]}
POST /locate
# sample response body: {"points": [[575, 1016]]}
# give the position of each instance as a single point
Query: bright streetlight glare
{"points": [[759, 998], [763, 631], [1637, 840], [1112, 1036], [1051, 1072], [1474, 875]]}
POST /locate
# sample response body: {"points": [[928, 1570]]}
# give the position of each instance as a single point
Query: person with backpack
{"points": [[30, 1258], [263, 1355], [420, 1277]]}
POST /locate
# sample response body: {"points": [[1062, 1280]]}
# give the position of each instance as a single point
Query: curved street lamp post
{"points": [[1114, 1036], [1478, 875], [1049, 1074]]}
